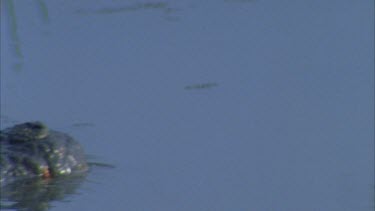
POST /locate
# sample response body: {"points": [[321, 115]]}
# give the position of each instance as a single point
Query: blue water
{"points": [[201, 105]]}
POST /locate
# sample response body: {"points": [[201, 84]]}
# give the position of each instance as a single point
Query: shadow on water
{"points": [[16, 43]]}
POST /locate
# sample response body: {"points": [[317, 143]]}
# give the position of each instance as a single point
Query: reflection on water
{"points": [[163, 6], [12, 22], [135, 7], [10, 10], [37, 194], [43, 10]]}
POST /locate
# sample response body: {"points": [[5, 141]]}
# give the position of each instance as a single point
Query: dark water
{"points": [[200, 105]]}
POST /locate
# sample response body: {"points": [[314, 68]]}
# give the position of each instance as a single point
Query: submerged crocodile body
{"points": [[32, 151]]}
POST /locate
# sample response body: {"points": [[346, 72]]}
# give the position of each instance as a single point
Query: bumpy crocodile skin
{"points": [[44, 154]]}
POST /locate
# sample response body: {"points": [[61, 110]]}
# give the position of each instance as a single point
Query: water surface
{"points": [[200, 105]]}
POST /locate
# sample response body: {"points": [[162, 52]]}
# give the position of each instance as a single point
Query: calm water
{"points": [[221, 105]]}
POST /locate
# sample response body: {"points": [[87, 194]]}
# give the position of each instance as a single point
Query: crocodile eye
{"points": [[35, 125]]}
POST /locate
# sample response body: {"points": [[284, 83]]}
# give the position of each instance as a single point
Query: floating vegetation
{"points": [[201, 86]]}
